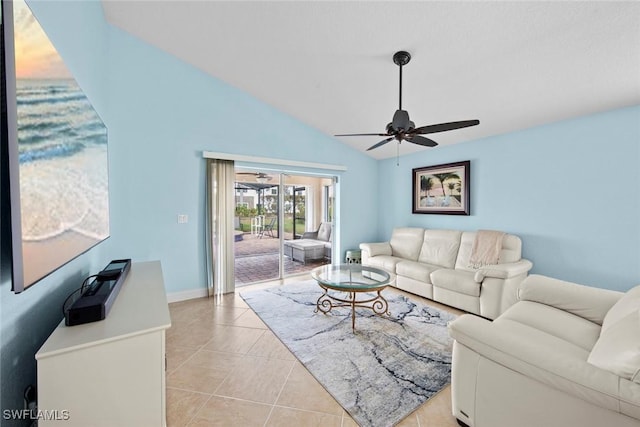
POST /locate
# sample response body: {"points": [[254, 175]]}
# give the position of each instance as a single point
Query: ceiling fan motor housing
{"points": [[400, 122]]}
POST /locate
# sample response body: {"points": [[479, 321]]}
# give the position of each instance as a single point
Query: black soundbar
{"points": [[96, 300]]}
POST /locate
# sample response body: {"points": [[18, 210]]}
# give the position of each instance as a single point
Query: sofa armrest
{"points": [[537, 355], [503, 271], [584, 301], [375, 249], [310, 235]]}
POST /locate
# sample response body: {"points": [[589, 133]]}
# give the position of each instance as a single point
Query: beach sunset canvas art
{"points": [[62, 147]]}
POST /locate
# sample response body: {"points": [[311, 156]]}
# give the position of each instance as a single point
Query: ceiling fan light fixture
{"points": [[261, 179]]}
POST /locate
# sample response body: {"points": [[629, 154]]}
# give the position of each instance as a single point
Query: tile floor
{"points": [[226, 368]]}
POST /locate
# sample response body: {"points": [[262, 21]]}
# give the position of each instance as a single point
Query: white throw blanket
{"points": [[486, 248]]}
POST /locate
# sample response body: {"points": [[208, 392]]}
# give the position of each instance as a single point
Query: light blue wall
{"points": [[165, 113], [570, 190], [161, 114]]}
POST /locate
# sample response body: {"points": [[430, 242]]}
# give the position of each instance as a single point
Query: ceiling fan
{"points": [[403, 129], [260, 177]]}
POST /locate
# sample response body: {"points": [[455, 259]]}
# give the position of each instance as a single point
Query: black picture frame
{"points": [[442, 189]]}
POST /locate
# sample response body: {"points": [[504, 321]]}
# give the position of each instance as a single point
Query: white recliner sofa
{"points": [[435, 264], [564, 355]]}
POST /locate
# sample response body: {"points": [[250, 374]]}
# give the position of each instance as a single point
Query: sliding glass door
{"points": [[307, 239], [284, 224], [257, 243]]}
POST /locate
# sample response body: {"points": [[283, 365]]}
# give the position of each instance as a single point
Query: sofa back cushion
{"points": [[406, 242], [511, 250], [440, 247], [618, 348], [587, 302], [629, 302], [324, 232]]}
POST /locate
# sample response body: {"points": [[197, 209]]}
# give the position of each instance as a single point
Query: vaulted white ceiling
{"points": [[512, 65]]}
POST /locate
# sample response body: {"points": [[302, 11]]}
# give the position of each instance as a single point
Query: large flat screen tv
{"points": [[55, 191]]}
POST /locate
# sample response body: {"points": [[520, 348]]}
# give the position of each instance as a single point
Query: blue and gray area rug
{"points": [[381, 373]]}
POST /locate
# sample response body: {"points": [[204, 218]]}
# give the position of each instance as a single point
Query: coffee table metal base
{"points": [[377, 304]]}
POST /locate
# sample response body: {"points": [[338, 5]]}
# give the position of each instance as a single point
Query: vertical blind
{"points": [[219, 201]]}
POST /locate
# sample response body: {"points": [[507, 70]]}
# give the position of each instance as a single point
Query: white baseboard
{"points": [[186, 295]]}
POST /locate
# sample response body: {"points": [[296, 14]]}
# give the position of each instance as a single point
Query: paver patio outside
{"points": [[256, 259]]}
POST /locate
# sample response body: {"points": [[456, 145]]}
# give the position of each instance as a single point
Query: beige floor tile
{"points": [[220, 314], [227, 308], [287, 417], [194, 335], [250, 319], [231, 300], [347, 421], [224, 412], [182, 405], [226, 315], [268, 345], [436, 412], [233, 339], [256, 379], [176, 356], [213, 359], [186, 312], [203, 372], [200, 422], [410, 421], [302, 391]]}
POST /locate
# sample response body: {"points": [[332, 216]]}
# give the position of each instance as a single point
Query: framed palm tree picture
{"points": [[442, 189]]}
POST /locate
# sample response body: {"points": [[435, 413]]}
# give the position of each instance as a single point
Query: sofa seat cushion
{"points": [[460, 281], [385, 262], [561, 324], [416, 270]]}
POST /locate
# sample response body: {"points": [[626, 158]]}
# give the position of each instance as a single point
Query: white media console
{"points": [[111, 372]]}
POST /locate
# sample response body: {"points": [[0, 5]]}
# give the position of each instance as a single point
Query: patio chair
{"points": [[257, 223], [314, 245], [268, 228]]}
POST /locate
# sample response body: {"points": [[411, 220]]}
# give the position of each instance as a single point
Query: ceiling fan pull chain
{"points": [[398, 154]]}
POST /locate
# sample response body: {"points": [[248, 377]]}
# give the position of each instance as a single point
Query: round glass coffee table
{"points": [[354, 279]]}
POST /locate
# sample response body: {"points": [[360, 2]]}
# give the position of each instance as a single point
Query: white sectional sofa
{"points": [[435, 265], [564, 355]]}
